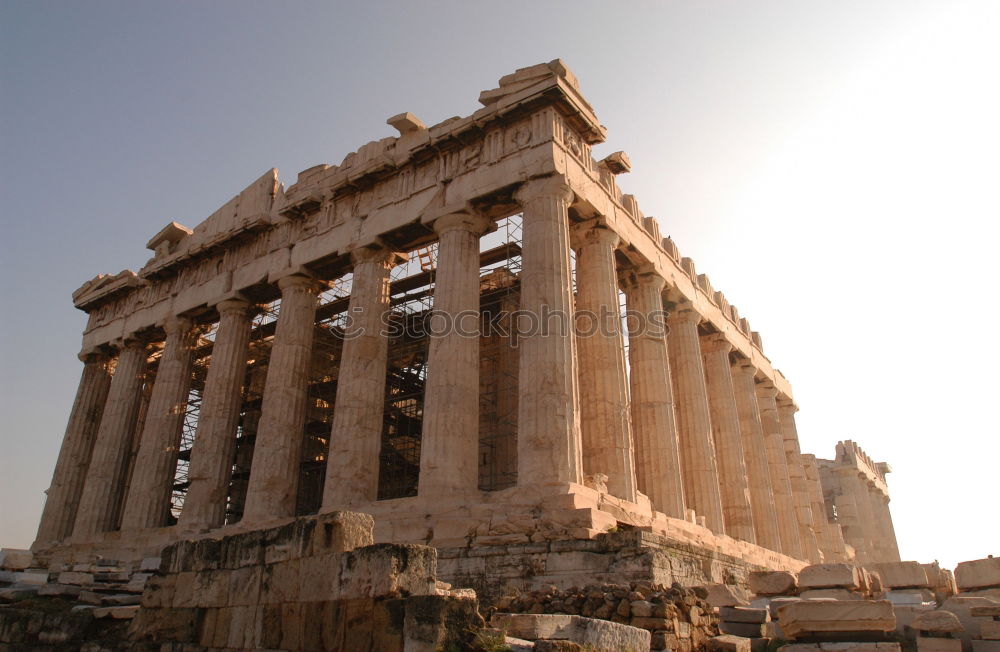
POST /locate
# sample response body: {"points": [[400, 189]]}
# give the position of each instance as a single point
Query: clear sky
{"points": [[833, 166]]}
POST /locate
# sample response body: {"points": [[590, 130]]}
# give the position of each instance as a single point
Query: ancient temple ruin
{"points": [[460, 331]]}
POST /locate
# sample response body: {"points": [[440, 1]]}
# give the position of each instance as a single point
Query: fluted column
{"points": [[548, 436], [698, 461], [77, 446], [777, 464], [356, 434], [449, 441], [104, 486], [605, 426], [765, 518], [657, 456], [274, 472], [733, 482], [887, 532], [797, 480], [831, 542], [148, 500], [215, 439]]}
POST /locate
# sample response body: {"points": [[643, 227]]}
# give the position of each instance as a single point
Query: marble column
{"points": [[765, 518], [797, 480], [657, 454], [605, 425], [148, 502], [215, 439], [77, 446], [854, 512], [106, 475], [356, 434], [274, 472], [548, 436], [831, 542], [733, 482], [889, 548], [449, 442], [698, 461], [777, 464]]}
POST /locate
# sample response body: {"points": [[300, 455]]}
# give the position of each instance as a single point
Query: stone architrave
{"points": [[105, 484], [148, 501], [449, 444], [698, 460], [733, 482], [356, 435], [63, 495], [777, 464], [274, 472], [548, 441], [215, 439], [604, 406], [657, 456], [797, 481], [765, 518]]}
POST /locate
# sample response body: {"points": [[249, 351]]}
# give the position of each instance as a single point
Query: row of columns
{"points": [[864, 511], [689, 426]]}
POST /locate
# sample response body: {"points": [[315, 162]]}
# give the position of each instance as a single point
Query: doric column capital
{"points": [[235, 306], [462, 221], [177, 324], [378, 255], [786, 404], [647, 277], [715, 343], [554, 186], [766, 388], [593, 233], [129, 343], [744, 366], [94, 355], [684, 313], [298, 281]]}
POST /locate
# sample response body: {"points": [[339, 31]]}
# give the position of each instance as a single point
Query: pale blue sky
{"points": [[833, 166]]}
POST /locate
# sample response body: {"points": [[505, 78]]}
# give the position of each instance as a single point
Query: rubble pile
{"points": [[678, 618]]}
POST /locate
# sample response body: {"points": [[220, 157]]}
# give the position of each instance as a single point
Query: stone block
{"points": [[79, 579], [746, 630], [962, 607], [167, 625], [280, 582], [729, 643], [341, 532], [150, 564], [830, 576], [158, 592], [244, 586], [599, 634], [909, 596], [31, 577], [319, 578], [939, 621], [978, 574], [990, 630], [902, 575], [388, 570], [935, 644], [989, 611], [15, 559], [830, 594], [824, 617], [743, 615], [242, 550], [985, 646], [726, 595], [211, 588], [846, 646], [772, 582]]}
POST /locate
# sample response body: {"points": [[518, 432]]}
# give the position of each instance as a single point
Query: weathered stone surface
{"points": [[842, 647], [830, 576], [978, 574], [729, 643], [927, 644], [15, 559], [744, 615], [985, 646], [939, 621], [990, 630], [744, 629], [831, 594], [989, 611], [726, 595], [817, 617], [600, 634], [773, 582], [902, 574]]}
